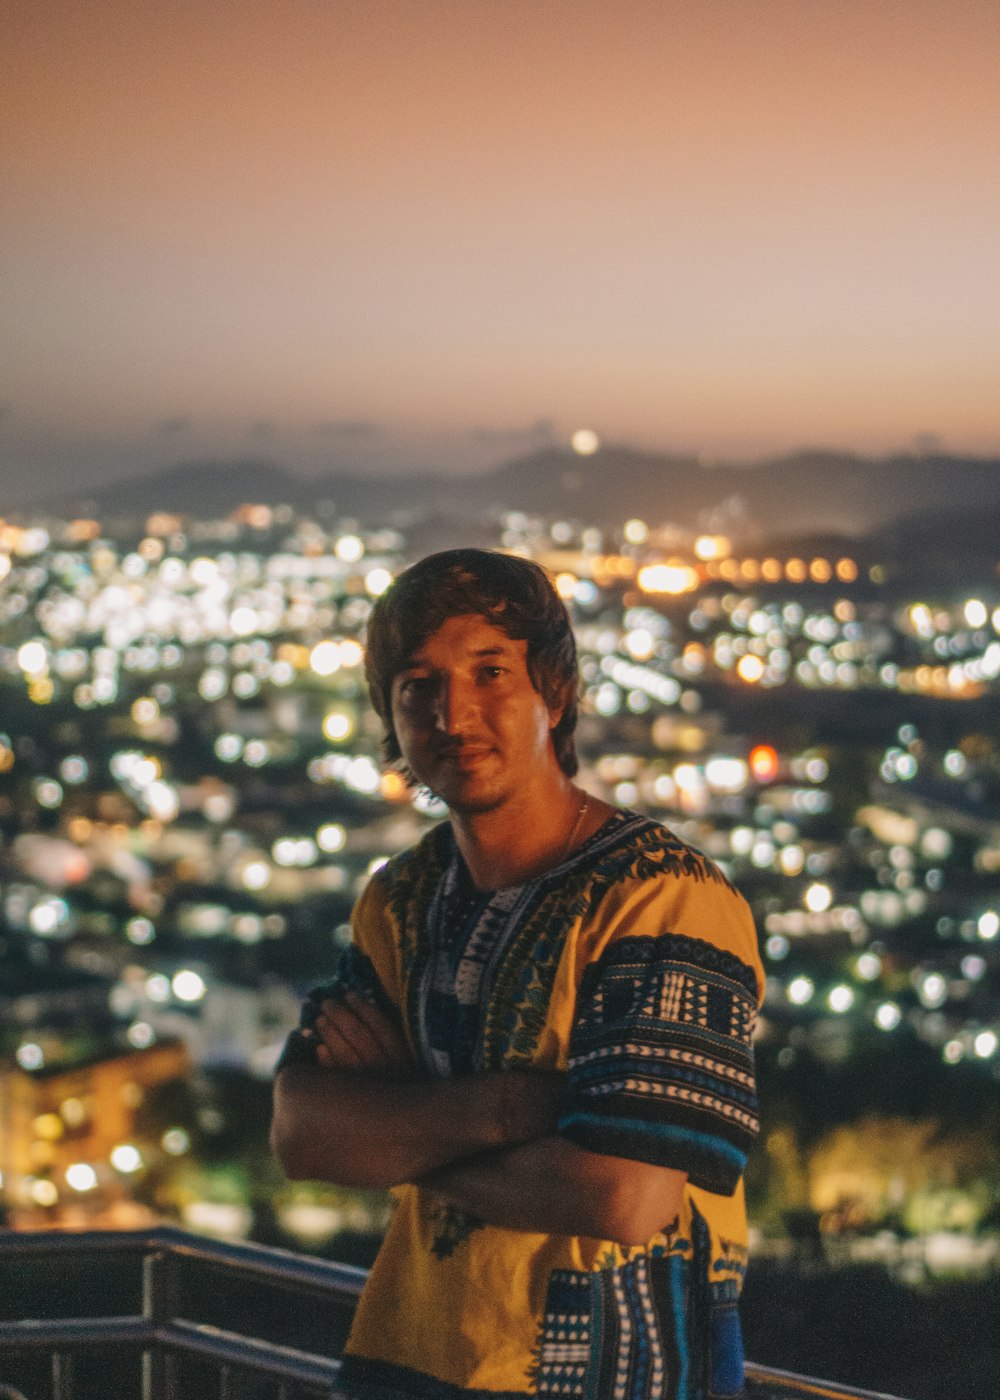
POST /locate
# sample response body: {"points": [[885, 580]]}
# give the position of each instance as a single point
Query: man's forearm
{"points": [[551, 1186], [360, 1129]]}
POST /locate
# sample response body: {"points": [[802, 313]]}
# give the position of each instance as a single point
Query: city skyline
{"points": [[382, 237]]}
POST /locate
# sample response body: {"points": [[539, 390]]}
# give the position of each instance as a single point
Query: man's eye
{"points": [[493, 673]]}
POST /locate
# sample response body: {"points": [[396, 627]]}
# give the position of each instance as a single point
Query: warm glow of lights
{"points": [[820, 571], [687, 778], [770, 570], [585, 442], [708, 547], [846, 570], [44, 1192], [73, 1112], [145, 710], [818, 898], [187, 985], [764, 763], [257, 517], [640, 643], [750, 570], [394, 787], [840, 998], [126, 1158], [377, 581], [795, 570], [338, 726], [933, 990], [800, 991], [292, 654], [349, 548], [256, 875], [331, 836], [81, 1176], [672, 577], [566, 585], [352, 653], [726, 774], [636, 531], [888, 1016], [48, 1126], [922, 620], [988, 925], [750, 668], [33, 658], [324, 658]]}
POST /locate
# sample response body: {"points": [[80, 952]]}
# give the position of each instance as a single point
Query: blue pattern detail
{"points": [[664, 1133], [635, 1333], [660, 1058], [727, 1352]]}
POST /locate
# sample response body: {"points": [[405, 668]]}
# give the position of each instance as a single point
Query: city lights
{"points": [[206, 796], [81, 1176]]}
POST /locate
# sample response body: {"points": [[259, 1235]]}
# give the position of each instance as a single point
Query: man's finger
{"points": [[378, 1026], [345, 1035]]}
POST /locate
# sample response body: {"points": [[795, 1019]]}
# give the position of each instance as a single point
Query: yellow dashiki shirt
{"points": [[632, 967]]}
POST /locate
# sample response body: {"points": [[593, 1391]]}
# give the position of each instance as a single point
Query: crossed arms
{"points": [[361, 1116]]}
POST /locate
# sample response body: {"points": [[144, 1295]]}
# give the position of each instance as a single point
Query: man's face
{"points": [[470, 723]]}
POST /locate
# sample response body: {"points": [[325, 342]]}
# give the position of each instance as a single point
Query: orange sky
{"points": [[733, 226]]}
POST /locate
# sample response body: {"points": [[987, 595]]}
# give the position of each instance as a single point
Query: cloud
{"points": [[542, 430], [346, 428], [170, 427]]}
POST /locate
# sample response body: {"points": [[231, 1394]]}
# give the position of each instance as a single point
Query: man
{"points": [[540, 1038]]}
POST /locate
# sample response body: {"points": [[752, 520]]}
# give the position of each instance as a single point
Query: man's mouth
{"points": [[464, 755]]}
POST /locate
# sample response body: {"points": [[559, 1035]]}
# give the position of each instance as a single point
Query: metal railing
{"points": [[241, 1292]]}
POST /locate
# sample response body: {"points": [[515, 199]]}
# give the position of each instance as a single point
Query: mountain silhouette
{"points": [[814, 492]]}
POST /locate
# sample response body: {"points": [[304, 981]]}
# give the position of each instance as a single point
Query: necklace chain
{"points": [[574, 830]]}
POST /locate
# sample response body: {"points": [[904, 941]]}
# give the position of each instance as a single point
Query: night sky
{"points": [[389, 234]]}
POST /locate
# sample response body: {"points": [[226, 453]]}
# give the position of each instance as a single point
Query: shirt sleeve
{"points": [[355, 973], [660, 1058]]}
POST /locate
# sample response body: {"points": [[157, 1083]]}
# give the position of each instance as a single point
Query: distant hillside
{"points": [[942, 543], [814, 492]]}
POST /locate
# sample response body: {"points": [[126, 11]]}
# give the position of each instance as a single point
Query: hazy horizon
{"points": [[392, 237]]}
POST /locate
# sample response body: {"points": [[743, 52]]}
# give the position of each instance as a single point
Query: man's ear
{"points": [[556, 705]]}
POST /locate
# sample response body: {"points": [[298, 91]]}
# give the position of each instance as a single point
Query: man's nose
{"points": [[454, 705]]}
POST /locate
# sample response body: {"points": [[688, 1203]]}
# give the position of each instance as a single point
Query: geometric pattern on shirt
{"points": [[634, 1332], [661, 1057], [479, 972]]}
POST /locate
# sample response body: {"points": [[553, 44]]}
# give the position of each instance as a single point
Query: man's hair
{"points": [[513, 594]]}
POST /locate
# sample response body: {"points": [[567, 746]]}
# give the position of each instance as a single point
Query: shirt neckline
{"points": [[469, 890]]}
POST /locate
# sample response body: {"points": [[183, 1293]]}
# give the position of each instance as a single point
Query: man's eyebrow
{"points": [[419, 663]]}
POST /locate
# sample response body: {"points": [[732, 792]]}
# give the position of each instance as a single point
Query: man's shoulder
{"points": [[651, 884], [632, 848], [430, 856]]}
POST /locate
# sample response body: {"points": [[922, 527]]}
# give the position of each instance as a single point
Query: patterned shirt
{"points": [[633, 968]]}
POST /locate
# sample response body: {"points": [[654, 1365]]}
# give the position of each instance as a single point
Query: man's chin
{"points": [[468, 799]]}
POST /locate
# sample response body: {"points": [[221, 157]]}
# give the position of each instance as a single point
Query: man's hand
{"points": [[353, 1034]]}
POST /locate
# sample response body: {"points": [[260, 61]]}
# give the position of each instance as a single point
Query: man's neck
{"points": [[524, 837]]}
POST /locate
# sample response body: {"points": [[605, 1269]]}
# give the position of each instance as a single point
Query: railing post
{"points": [[159, 1305], [62, 1376]]}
